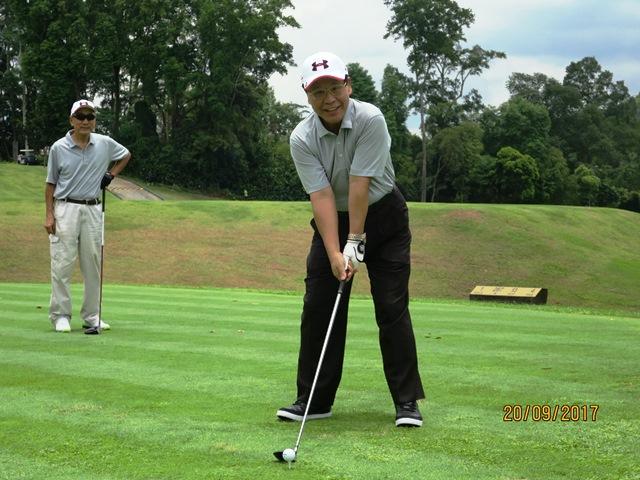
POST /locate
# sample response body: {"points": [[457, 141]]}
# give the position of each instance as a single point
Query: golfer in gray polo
{"points": [[342, 155], [76, 172]]}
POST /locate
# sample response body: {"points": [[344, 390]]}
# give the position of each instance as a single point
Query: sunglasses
{"points": [[84, 116]]}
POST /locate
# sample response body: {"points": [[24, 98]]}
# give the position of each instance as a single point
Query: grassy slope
{"points": [[586, 257], [186, 385]]}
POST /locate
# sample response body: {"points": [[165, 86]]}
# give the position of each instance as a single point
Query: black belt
{"points": [[93, 201]]}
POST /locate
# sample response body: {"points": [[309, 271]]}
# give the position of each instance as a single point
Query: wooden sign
{"points": [[509, 294]]}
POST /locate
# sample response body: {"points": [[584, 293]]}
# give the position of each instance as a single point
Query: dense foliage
{"points": [[574, 142], [184, 84]]}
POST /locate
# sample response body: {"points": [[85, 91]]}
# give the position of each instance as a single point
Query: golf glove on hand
{"points": [[106, 180], [354, 251]]}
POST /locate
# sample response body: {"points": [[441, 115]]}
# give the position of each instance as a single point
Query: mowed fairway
{"points": [[186, 386], [585, 257]]}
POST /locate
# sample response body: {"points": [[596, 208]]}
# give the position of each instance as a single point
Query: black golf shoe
{"points": [[295, 412], [408, 415]]}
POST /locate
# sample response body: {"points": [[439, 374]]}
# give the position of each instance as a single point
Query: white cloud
{"points": [[537, 36], [497, 15], [353, 31]]}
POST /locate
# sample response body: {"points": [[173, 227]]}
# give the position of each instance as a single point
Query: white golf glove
{"points": [[354, 250]]}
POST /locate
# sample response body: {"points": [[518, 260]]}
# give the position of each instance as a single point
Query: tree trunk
{"points": [[435, 183], [423, 183], [117, 102]]}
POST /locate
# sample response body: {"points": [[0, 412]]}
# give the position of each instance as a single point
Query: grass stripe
{"points": [[187, 383]]}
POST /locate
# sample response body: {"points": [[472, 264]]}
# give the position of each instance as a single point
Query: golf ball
{"points": [[289, 455]]}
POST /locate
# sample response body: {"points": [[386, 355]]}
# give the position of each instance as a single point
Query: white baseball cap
{"points": [[82, 104], [321, 65]]}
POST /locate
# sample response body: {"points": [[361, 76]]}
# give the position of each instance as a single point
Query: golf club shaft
{"points": [[104, 197], [324, 349]]}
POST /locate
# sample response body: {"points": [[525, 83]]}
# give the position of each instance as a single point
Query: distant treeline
{"points": [[184, 85]]}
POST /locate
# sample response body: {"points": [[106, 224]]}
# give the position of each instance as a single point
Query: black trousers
{"points": [[387, 256]]}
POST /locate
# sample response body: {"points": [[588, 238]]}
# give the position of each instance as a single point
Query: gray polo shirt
{"points": [[360, 148], [77, 172]]}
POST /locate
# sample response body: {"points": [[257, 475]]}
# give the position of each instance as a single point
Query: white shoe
{"points": [[94, 323], [61, 324]]}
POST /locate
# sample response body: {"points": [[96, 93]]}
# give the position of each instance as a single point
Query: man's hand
{"points": [[354, 251], [337, 266], [106, 180], [50, 224]]}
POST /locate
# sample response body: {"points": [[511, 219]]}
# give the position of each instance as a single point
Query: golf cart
{"points": [[27, 157]]}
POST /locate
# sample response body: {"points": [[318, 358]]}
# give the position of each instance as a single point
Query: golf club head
{"points": [[279, 456], [92, 331]]}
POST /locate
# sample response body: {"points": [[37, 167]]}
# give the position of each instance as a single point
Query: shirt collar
{"points": [[70, 141], [347, 121]]}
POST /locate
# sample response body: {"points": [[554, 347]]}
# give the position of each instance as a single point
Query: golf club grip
{"points": [[104, 197]]}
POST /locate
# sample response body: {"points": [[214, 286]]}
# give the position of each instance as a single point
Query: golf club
{"points": [[97, 329], [289, 455]]}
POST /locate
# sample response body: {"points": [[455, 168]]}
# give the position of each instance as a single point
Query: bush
{"points": [[631, 201]]}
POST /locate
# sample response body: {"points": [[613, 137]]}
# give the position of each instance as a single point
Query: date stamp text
{"points": [[515, 412]]}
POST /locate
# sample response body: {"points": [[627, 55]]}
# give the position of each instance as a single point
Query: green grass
{"points": [[186, 384], [585, 257]]}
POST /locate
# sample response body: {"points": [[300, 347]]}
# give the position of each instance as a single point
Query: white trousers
{"points": [[78, 234]]}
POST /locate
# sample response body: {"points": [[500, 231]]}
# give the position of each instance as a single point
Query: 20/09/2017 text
{"points": [[549, 413]]}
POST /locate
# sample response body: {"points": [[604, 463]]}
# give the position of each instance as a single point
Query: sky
{"points": [[542, 36]]}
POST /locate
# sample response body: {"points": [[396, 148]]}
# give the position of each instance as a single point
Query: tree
{"points": [[526, 126], [10, 86], [595, 123], [455, 150], [197, 74], [109, 41], [54, 62], [480, 180], [593, 84], [515, 176], [529, 87], [432, 32], [563, 105], [239, 50], [522, 125], [162, 59], [553, 184], [393, 100], [282, 118], [364, 88], [631, 201], [393, 104], [588, 184]]}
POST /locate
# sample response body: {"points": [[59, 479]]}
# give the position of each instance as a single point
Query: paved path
{"points": [[127, 190]]}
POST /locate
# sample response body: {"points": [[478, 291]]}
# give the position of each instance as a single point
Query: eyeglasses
{"points": [[334, 91], [84, 116]]}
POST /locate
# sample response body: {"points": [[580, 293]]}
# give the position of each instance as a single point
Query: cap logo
{"points": [[323, 64]]}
